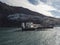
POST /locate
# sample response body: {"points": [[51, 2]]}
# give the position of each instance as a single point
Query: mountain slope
{"points": [[13, 16]]}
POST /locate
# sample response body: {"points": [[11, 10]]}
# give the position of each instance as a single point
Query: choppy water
{"points": [[9, 36]]}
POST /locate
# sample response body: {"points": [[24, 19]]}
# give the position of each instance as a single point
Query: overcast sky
{"points": [[41, 6]]}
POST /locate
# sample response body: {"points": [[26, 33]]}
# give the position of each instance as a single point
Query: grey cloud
{"points": [[55, 13], [34, 2]]}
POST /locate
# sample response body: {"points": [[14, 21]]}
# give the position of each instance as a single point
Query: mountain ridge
{"points": [[6, 10]]}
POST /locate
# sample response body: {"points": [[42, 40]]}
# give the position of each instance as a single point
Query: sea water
{"points": [[11, 36]]}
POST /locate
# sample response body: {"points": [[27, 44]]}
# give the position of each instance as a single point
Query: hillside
{"points": [[13, 16]]}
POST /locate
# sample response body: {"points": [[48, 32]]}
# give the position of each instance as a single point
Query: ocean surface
{"points": [[12, 36]]}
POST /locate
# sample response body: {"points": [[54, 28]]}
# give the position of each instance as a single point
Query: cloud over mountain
{"points": [[40, 7]]}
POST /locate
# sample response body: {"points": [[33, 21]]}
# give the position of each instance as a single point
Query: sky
{"points": [[56, 5], [48, 8]]}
